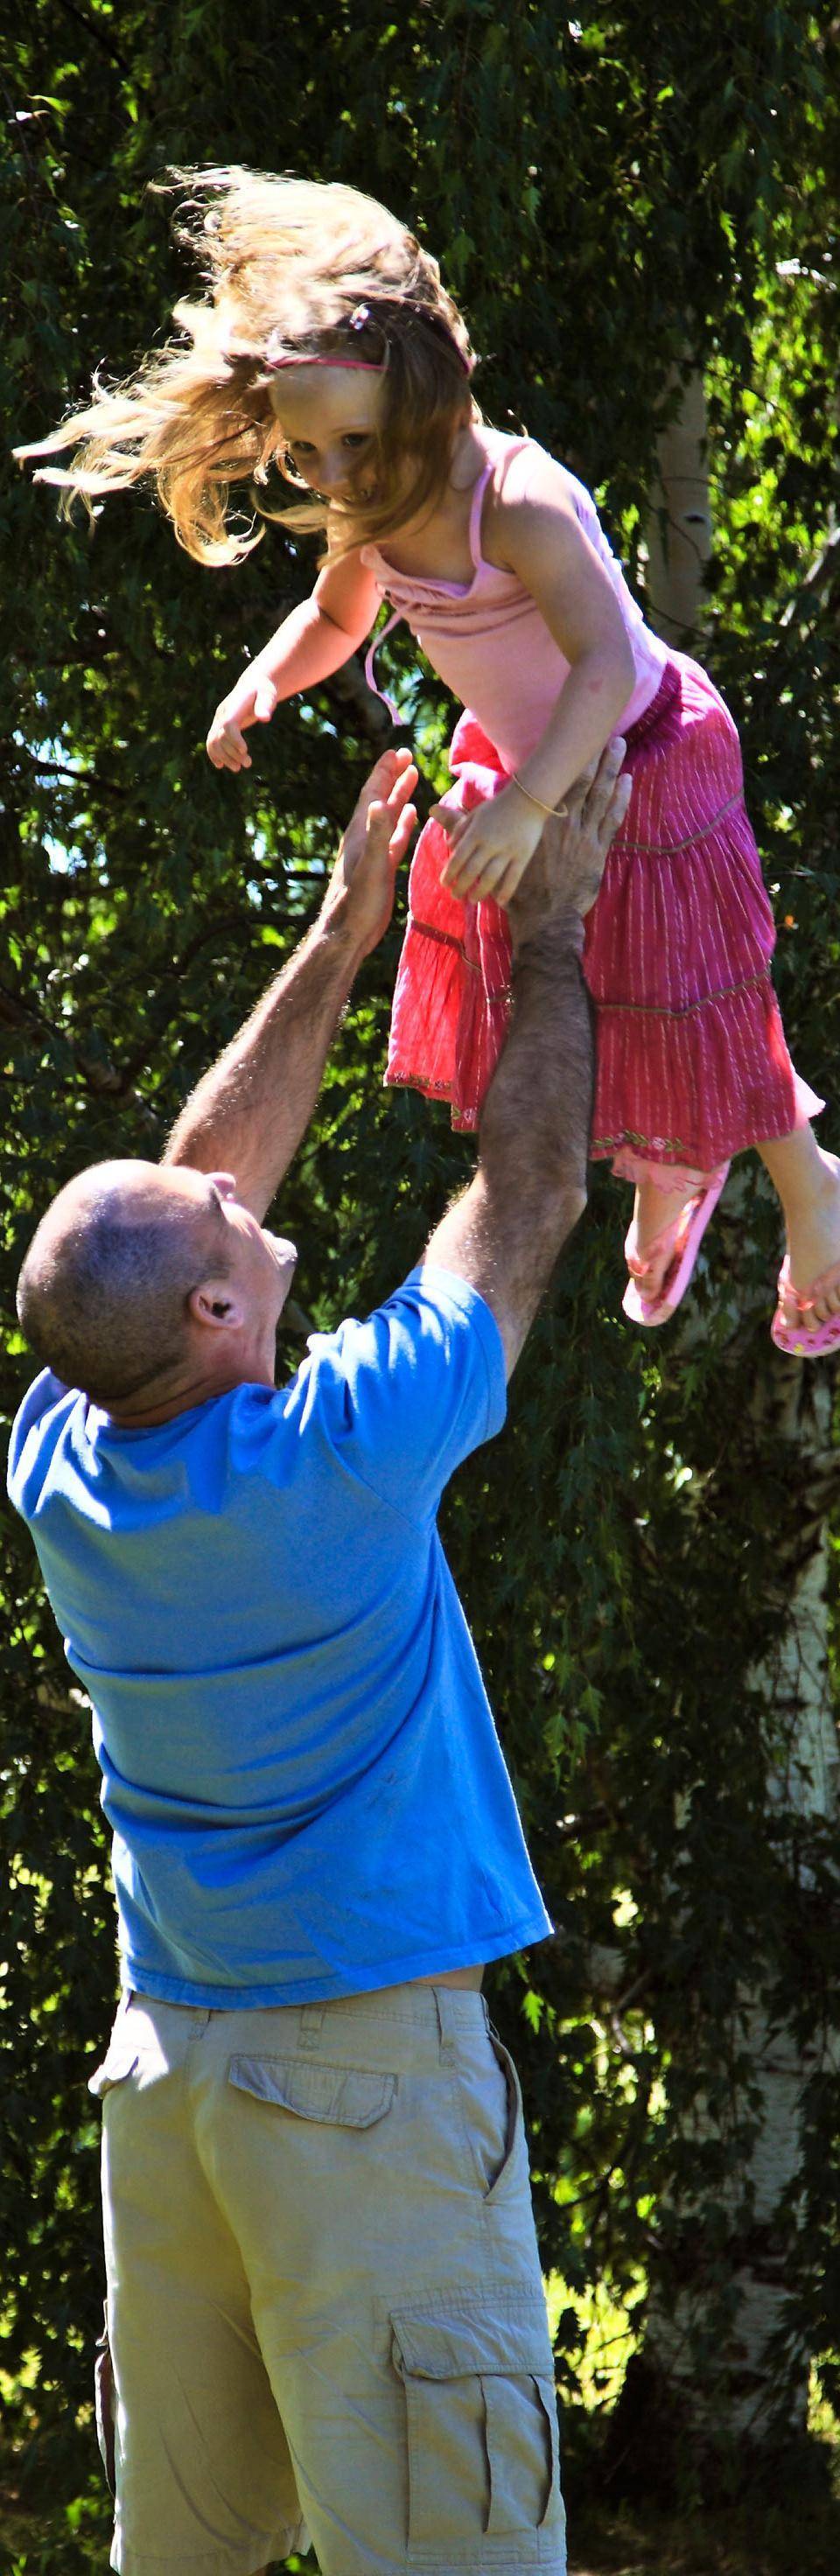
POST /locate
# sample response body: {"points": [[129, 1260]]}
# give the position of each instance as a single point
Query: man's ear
{"points": [[215, 1303]]}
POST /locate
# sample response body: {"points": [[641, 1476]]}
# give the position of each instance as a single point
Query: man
{"points": [[324, 2298]]}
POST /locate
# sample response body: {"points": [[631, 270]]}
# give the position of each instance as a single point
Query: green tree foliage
{"points": [[610, 197]]}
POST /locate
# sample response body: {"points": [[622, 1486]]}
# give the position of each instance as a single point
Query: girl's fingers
{"points": [[453, 824], [454, 878], [475, 877], [510, 884], [229, 748], [461, 878], [502, 879], [465, 848]]}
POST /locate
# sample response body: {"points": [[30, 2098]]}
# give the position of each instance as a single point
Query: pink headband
{"points": [[295, 358], [360, 320]]}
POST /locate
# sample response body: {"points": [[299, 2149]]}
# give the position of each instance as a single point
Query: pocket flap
{"points": [[342, 2095], [121, 2058], [479, 2340]]}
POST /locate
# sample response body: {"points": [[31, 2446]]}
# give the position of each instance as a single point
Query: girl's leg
{"points": [[808, 1183]]}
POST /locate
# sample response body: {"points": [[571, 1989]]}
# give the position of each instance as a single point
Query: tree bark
{"points": [[722, 2378], [751, 2378], [679, 527]]}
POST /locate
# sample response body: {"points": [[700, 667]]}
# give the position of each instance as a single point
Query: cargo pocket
{"points": [[342, 2096], [481, 2423], [105, 2404]]}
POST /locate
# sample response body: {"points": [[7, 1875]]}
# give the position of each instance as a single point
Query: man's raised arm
{"points": [[506, 1231], [248, 1114]]}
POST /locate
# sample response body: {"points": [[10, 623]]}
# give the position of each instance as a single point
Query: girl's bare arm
{"points": [[313, 641], [531, 529], [534, 532]]}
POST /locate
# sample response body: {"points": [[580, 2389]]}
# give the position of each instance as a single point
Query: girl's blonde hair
{"points": [[287, 263]]}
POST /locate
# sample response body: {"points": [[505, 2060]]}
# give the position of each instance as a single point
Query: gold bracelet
{"points": [[557, 811]]}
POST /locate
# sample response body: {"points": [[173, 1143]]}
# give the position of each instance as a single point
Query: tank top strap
{"points": [[395, 619], [512, 447], [479, 490]]}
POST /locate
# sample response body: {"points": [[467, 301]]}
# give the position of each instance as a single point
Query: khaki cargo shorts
{"points": [[325, 2308]]}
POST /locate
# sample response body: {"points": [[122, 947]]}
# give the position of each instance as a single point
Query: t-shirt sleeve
{"points": [[409, 1392], [30, 1436]]}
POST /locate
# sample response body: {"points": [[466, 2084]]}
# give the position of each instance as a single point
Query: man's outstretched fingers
{"points": [[577, 793], [609, 820], [599, 804], [390, 766], [393, 778], [389, 824], [406, 824]]}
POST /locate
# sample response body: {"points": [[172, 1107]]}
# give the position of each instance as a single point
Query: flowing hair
{"points": [[294, 270]]}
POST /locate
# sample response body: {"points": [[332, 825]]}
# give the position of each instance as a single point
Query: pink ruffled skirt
{"points": [[692, 1064]]}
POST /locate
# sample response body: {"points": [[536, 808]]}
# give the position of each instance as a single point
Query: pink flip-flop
{"points": [[789, 1329], [679, 1243]]}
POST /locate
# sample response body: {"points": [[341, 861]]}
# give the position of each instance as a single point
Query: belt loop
{"points": [[311, 2025], [446, 2023]]}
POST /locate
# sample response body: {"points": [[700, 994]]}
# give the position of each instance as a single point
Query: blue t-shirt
{"points": [[305, 1786]]}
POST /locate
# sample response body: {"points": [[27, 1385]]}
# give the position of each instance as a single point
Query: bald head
{"points": [[103, 1291]]}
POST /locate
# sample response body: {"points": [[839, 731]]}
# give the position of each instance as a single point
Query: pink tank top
{"points": [[488, 641]]}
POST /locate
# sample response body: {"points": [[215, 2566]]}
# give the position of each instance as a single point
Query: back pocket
{"points": [[344, 2097], [481, 2424]]}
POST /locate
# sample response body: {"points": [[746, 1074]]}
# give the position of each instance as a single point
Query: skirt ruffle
{"points": [[692, 1063]]}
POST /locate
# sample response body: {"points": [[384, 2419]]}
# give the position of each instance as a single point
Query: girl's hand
{"points": [[491, 847], [251, 701]]}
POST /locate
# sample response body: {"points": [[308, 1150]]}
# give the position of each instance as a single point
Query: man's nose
{"points": [[225, 1184]]}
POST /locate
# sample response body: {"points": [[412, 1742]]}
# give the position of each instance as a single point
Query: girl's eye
{"points": [[355, 438]]}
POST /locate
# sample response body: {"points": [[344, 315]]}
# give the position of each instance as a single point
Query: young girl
{"points": [[327, 344]]}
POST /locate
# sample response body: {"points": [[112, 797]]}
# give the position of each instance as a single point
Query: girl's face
{"points": [[329, 417]]}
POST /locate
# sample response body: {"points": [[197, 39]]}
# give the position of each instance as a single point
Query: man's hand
{"points": [[251, 1110], [360, 895], [565, 873]]}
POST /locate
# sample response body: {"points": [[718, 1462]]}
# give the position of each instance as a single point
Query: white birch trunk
{"points": [[679, 527], [743, 2381], [743, 2386]]}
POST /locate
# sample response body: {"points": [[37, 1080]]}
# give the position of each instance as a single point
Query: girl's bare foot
{"points": [[654, 1210], [808, 1183]]}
